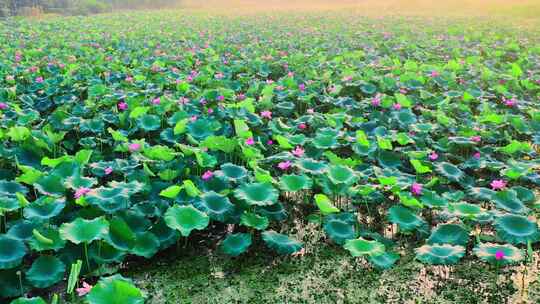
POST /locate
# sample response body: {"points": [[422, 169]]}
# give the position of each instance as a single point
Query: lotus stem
{"points": [[19, 275], [86, 256]]}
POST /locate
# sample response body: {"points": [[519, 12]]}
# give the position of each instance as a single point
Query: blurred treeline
{"points": [[75, 7]]}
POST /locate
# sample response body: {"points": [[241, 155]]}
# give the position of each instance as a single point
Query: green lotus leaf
{"points": [[171, 191], [483, 194], [12, 252], [215, 205], [137, 222], [293, 183], [466, 210], [201, 129], [449, 171], [312, 166], [44, 209], [22, 230], [10, 286], [115, 290], [325, 141], [281, 243], [50, 185], [524, 194], [47, 238], [339, 174], [233, 172], [9, 188], [146, 245], [160, 153], [103, 253], [488, 252], [9, 204], [405, 218], [149, 122], [190, 188], [452, 234], [165, 234], [516, 229], [84, 231], [236, 244], [340, 227], [45, 271], [120, 235], [34, 300], [253, 220], [440, 254], [509, 201], [385, 260], [275, 212], [258, 194], [108, 199], [77, 181], [360, 247], [185, 219], [432, 199], [325, 204]]}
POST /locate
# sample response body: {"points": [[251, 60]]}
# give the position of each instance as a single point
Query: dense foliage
{"points": [[125, 136]]}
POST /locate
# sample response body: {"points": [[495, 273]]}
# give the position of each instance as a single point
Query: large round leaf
{"points": [[517, 229], [452, 234], [361, 247], [405, 218], [84, 231], [259, 194], [438, 254], [115, 290], [340, 227], [236, 244], [498, 254], [45, 271], [293, 183], [185, 219], [217, 206], [281, 243], [11, 252]]}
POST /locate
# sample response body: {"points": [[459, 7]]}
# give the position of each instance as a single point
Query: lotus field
{"points": [[124, 135]]}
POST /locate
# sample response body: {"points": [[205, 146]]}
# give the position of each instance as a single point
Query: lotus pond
{"points": [[125, 136]]}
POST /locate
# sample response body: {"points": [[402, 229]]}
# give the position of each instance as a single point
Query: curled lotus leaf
{"points": [[508, 201], [453, 234], [498, 253], [516, 229], [236, 244], [405, 218], [84, 231], [433, 200], [233, 172], [340, 227], [275, 212], [449, 171], [109, 199], [115, 290], [362, 247], [440, 254], [103, 253], [385, 260], [281, 243], [146, 245], [258, 194], [186, 219], [312, 166], [293, 183], [254, 220], [9, 188], [340, 174], [46, 238], [44, 209], [467, 210], [50, 185], [215, 205]]}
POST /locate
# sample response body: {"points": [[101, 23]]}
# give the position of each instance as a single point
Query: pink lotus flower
{"points": [[510, 102], [122, 106], [499, 255], [284, 165], [403, 91], [183, 100], [269, 81], [416, 189], [10, 78], [397, 106], [129, 79], [84, 289], [433, 156], [498, 184], [250, 141], [108, 170], [39, 79], [310, 111], [33, 69], [376, 101], [476, 138], [269, 142], [302, 87], [347, 78], [302, 126], [210, 111], [156, 101], [193, 118], [266, 114], [240, 97], [221, 98], [134, 147], [290, 74], [219, 76], [298, 151], [3, 106], [81, 192], [207, 175], [434, 74], [477, 155]]}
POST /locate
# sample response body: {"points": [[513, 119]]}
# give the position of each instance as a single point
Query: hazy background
{"points": [[508, 8]]}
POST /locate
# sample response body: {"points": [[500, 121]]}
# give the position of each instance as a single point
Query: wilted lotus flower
{"points": [[284, 165], [416, 189], [250, 141], [207, 175], [266, 114], [84, 289], [298, 151], [81, 192], [134, 147], [498, 184]]}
